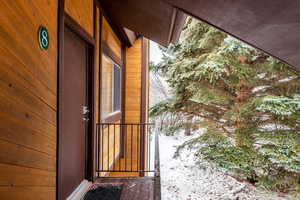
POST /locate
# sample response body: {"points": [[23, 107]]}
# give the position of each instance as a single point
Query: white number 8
{"points": [[44, 38]]}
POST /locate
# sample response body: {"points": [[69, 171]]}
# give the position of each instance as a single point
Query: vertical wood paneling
{"points": [[111, 38], [133, 82], [109, 147], [28, 84], [82, 11], [132, 107]]}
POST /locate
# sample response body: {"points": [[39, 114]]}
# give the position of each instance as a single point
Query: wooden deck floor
{"points": [[134, 188]]}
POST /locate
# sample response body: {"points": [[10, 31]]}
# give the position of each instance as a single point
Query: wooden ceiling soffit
{"points": [[130, 35], [271, 26], [153, 19], [123, 35], [177, 24]]}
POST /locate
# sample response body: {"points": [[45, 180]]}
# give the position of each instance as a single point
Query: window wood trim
{"points": [[109, 52], [112, 117]]}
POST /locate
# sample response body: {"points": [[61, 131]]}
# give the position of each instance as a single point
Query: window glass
{"points": [[117, 88], [110, 87]]}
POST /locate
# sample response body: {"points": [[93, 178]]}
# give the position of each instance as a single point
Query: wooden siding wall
{"points": [[110, 141], [113, 141], [134, 56], [82, 11], [110, 38], [28, 83], [28, 95], [133, 97], [133, 82]]}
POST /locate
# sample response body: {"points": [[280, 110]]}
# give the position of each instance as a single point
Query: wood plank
{"points": [[111, 146], [19, 25], [28, 88], [111, 38], [24, 78], [14, 132], [133, 82], [21, 156], [19, 94], [82, 11], [27, 193], [21, 176], [24, 116]]}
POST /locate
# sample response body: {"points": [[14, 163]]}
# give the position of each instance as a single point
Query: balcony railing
{"points": [[126, 149]]}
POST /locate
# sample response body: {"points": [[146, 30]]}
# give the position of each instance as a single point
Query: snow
{"points": [[287, 79], [261, 75], [259, 88], [183, 178]]}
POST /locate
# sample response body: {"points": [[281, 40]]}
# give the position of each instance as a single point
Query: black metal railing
{"points": [[126, 148], [157, 182]]}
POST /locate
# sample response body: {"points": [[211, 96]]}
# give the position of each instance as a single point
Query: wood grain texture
{"points": [[82, 11], [133, 82], [21, 176], [111, 38], [27, 193], [109, 147], [28, 88]]}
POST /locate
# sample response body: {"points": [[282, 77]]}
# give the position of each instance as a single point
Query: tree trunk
{"points": [[187, 131]]}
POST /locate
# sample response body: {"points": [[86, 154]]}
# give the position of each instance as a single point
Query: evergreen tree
{"points": [[248, 101]]}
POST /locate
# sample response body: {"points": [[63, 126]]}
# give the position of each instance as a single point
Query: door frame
{"points": [[64, 20]]}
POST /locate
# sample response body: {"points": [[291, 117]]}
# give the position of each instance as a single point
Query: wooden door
{"points": [[74, 113]]}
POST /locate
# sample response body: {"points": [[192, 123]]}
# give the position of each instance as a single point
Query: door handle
{"points": [[85, 112]]}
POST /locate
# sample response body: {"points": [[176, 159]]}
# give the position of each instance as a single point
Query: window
{"points": [[111, 87], [117, 88]]}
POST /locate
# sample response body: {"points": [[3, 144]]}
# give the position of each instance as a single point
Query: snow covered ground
{"points": [[183, 179]]}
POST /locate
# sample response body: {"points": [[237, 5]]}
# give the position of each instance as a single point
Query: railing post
{"points": [[157, 184], [142, 155]]}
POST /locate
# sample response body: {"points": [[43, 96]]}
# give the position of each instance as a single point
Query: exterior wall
{"points": [[112, 140], [136, 65], [28, 92], [82, 11], [110, 38], [133, 83], [28, 95], [109, 138], [28, 83]]}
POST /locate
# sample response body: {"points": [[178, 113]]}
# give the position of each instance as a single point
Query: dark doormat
{"points": [[108, 192]]}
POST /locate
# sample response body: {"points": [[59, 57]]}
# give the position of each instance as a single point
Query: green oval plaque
{"points": [[43, 37]]}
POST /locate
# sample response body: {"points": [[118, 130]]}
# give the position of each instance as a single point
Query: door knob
{"points": [[85, 110]]}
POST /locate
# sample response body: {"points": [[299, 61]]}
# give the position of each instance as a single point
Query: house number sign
{"points": [[43, 37]]}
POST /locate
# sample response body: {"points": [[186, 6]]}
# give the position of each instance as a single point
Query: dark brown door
{"points": [[73, 106]]}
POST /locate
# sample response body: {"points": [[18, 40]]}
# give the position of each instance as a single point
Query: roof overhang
{"points": [[272, 26], [154, 19]]}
